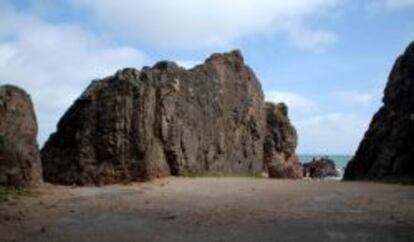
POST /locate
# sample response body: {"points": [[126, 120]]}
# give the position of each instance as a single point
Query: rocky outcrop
{"points": [[320, 168], [159, 121], [19, 154], [387, 150], [279, 158]]}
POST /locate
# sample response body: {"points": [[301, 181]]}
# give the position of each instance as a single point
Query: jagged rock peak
{"points": [[399, 92], [280, 160], [386, 151], [163, 120], [234, 55]]}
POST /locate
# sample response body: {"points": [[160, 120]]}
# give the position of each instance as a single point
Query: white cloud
{"points": [[359, 97], [310, 39], [333, 133], [379, 6], [296, 102], [398, 4], [323, 133], [188, 64], [201, 23], [55, 62]]}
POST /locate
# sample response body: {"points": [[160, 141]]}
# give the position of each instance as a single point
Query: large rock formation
{"points": [[160, 121], [279, 158], [320, 168], [19, 154], [387, 150]]}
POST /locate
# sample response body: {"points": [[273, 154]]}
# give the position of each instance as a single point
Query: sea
{"points": [[340, 160]]}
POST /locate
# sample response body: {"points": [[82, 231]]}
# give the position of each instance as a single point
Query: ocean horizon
{"points": [[340, 160]]}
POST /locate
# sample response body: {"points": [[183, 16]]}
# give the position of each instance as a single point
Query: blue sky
{"points": [[328, 59]]}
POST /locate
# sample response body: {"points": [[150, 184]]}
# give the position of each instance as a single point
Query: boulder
{"points": [[159, 121], [320, 168], [387, 149], [279, 158], [19, 154]]}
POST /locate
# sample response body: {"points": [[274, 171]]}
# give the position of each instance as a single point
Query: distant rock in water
{"points": [[161, 121], [19, 155], [280, 160], [387, 150], [320, 168]]}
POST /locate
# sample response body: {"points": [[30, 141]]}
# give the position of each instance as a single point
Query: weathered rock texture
{"points": [[320, 168], [19, 154], [279, 158], [160, 121], [387, 150]]}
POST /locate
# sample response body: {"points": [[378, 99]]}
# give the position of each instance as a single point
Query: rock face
{"points": [[279, 158], [387, 150], [19, 154], [160, 121], [320, 168]]}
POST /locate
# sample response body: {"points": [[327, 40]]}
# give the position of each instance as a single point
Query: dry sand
{"points": [[213, 209]]}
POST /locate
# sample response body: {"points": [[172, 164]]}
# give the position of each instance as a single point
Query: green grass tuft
{"points": [[10, 195]]}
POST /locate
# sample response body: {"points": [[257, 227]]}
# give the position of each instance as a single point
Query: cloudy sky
{"points": [[328, 59]]}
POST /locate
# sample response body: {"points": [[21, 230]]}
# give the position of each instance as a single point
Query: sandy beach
{"points": [[213, 209]]}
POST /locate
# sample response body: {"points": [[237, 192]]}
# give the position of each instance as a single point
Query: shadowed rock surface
{"points": [[387, 150], [161, 121], [280, 143], [320, 168], [19, 154]]}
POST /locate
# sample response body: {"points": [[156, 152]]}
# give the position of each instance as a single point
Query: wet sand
{"points": [[213, 209]]}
